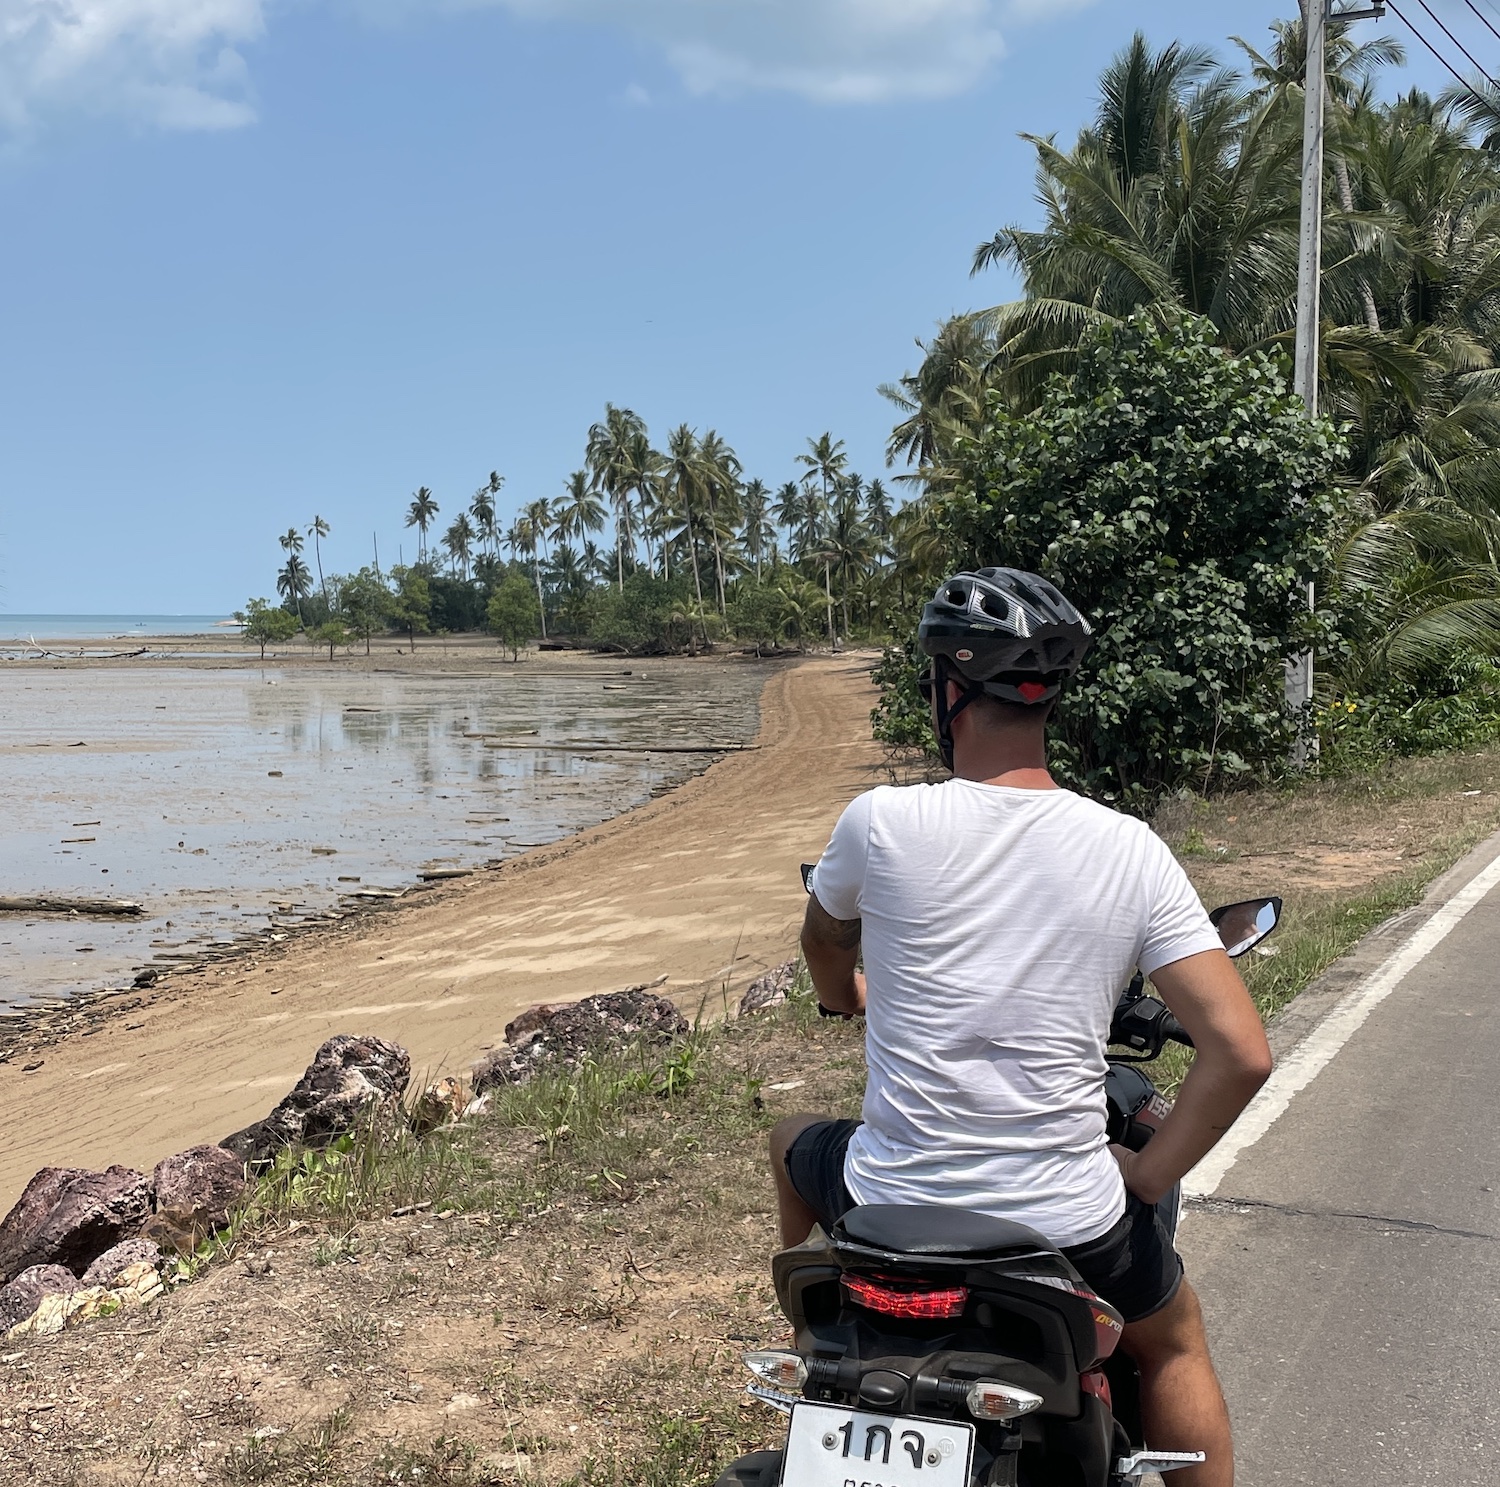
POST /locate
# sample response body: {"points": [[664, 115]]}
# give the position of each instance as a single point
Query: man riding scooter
{"points": [[997, 916]]}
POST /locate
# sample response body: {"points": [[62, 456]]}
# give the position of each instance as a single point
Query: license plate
{"points": [[832, 1447]]}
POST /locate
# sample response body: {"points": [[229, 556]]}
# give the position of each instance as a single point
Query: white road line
{"points": [[1316, 1051]]}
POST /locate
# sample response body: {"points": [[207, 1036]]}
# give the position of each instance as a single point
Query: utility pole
{"points": [[1315, 17]]}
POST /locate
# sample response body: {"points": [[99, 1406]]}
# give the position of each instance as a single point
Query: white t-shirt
{"points": [[999, 928]]}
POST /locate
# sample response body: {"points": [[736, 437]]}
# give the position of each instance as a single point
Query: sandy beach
{"points": [[699, 885]]}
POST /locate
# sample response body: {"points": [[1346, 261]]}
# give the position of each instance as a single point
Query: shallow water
{"points": [[234, 801]]}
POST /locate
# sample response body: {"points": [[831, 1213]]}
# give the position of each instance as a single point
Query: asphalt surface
{"points": [[1349, 1262]]}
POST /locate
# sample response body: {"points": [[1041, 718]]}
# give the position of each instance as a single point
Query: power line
{"points": [[1484, 20], [1456, 42], [1457, 77]]}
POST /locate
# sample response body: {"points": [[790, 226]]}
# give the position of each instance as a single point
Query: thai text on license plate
{"points": [[827, 1446]]}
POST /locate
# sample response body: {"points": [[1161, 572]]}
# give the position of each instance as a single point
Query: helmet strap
{"points": [[946, 714]]}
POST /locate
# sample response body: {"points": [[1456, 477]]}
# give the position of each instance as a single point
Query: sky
{"points": [[268, 259]]}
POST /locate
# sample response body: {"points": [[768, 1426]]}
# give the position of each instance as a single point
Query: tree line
{"points": [[644, 549], [1172, 224]]}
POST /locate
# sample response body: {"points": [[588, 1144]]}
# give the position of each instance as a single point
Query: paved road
{"points": [[1350, 1260]]}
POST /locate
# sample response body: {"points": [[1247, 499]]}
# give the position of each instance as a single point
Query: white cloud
{"points": [[831, 51], [174, 64], [170, 63]]}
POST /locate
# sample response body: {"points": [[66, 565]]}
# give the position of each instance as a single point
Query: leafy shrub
{"points": [[1459, 710], [648, 614], [1179, 497]]}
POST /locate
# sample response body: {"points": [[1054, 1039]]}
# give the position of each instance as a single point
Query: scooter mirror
{"points": [[1244, 925]]}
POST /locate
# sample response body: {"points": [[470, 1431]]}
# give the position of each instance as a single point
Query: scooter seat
{"points": [[929, 1229]]}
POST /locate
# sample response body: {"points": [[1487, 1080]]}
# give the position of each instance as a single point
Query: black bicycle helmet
{"points": [[1001, 633]]}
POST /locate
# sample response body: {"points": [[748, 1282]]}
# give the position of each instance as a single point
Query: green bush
{"points": [[1458, 710], [1179, 496], [648, 614]]}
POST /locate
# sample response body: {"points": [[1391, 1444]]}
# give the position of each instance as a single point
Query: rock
{"points": [[769, 990], [566, 1035], [525, 1027], [137, 1284], [46, 1320], [178, 1231], [20, 1299], [69, 1217], [439, 1104], [203, 1180], [106, 1270], [347, 1077]]}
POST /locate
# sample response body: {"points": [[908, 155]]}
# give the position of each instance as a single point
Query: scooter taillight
{"points": [[906, 1301]]}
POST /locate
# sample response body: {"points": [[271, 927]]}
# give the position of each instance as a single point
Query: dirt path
{"points": [[700, 885]]}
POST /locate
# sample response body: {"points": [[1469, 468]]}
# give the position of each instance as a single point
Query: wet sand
{"points": [[233, 801], [700, 885]]}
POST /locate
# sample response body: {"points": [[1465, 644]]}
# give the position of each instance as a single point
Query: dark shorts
{"points": [[1133, 1266]]}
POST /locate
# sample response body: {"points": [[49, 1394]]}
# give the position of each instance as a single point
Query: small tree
{"points": [[265, 624], [411, 604], [512, 614], [1180, 497], [757, 612], [331, 633], [364, 604]]}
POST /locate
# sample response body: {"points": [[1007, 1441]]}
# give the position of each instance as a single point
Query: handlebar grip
{"points": [[1174, 1030]]}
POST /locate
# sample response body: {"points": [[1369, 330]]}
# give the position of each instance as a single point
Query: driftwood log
{"points": [[46, 903]]}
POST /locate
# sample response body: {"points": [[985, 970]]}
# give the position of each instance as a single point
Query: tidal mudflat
{"points": [[244, 800]]}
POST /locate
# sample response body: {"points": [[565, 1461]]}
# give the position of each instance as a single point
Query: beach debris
{"points": [[20, 1299], [567, 1033], [769, 990], [48, 903], [348, 1077], [325, 851], [273, 774], [113, 1263], [437, 874], [439, 1104], [69, 1216], [199, 1186], [135, 1286]]}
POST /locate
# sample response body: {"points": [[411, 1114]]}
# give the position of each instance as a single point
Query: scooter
{"points": [[939, 1347]]}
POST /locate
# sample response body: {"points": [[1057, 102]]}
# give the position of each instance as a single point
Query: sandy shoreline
{"points": [[699, 884]]}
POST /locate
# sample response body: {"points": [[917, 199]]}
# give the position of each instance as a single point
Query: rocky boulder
{"points": [[204, 1181], [26, 1292], [69, 1217], [769, 990], [113, 1263], [349, 1077], [439, 1104], [563, 1036]]}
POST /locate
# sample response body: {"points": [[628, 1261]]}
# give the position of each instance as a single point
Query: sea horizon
{"points": [[22, 627]]}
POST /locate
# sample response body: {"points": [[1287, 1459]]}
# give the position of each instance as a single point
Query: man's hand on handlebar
{"points": [[831, 948]]}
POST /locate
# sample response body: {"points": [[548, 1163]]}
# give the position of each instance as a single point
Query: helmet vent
{"points": [[957, 595], [994, 606]]}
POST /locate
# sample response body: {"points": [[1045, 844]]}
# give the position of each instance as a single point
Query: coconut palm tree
{"points": [[482, 509], [682, 482], [459, 541], [611, 459], [757, 532], [317, 531], [420, 514], [539, 524], [294, 582], [579, 511], [825, 460], [720, 470]]}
